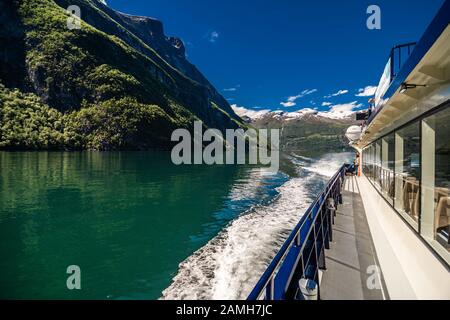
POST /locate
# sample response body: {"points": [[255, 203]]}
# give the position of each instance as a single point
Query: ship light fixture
{"points": [[406, 86]]}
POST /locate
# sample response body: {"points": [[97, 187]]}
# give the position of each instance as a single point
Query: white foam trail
{"points": [[301, 157], [328, 165], [229, 265]]}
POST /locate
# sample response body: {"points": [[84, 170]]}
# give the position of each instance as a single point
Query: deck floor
{"points": [[351, 259]]}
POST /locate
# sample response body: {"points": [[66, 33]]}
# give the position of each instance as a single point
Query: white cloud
{"points": [[232, 89], [340, 111], [306, 92], [326, 104], [340, 92], [244, 112], [291, 99], [288, 104], [213, 36], [346, 106], [368, 91]]}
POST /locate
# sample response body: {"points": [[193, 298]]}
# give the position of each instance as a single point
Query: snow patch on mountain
{"points": [[338, 112], [250, 113]]}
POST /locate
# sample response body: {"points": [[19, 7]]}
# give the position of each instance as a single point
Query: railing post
{"points": [[391, 62], [321, 261], [327, 231], [331, 209], [330, 230]]}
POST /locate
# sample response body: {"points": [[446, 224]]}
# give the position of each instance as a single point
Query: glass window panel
{"points": [[407, 172], [366, 161], [436, 179], [377, 165], [387, 167], [372, 163]]}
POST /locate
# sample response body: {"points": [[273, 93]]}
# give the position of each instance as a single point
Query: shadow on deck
{"points": [[352, 269]]}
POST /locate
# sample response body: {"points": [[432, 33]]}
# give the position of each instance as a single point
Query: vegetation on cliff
{"points": [[118, 123], [89, 89]]}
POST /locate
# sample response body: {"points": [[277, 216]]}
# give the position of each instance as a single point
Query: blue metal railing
{"points": [[405, 64], [303, 252], [398, 56]]}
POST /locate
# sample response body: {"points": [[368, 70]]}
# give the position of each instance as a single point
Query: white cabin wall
{"points": [[410, 269]]}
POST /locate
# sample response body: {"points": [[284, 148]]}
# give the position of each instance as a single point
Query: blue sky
{"points": [[288, 54]]}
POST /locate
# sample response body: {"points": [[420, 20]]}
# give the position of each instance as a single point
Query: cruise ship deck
{"points": [[383, 233], [351, 261]]}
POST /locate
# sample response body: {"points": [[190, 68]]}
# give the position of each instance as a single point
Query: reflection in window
{"points": [[436, 178], [387, 167], [377, 165], [368, 162], [407, 172]]}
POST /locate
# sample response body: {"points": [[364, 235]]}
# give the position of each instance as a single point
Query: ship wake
{"points": [[230, 264]]}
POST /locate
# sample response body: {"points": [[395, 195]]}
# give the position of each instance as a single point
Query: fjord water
{"points": [[137, 225]]}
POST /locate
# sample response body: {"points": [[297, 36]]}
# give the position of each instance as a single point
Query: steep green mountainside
{"points": [[105, 86], [308, 133]]}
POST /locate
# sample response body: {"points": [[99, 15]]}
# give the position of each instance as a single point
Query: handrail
{"points": [[392, 68], [268, 277], [397, 60]]}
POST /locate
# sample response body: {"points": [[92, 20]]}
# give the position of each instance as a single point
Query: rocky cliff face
{"points": [[12, 49], [113, 58], [147, 35]]}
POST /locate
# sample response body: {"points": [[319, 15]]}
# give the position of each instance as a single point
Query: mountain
{"points": [[118, 82], [304, 130]]}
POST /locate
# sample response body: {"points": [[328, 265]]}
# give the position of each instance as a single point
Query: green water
{"points": [[127, 219]]}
